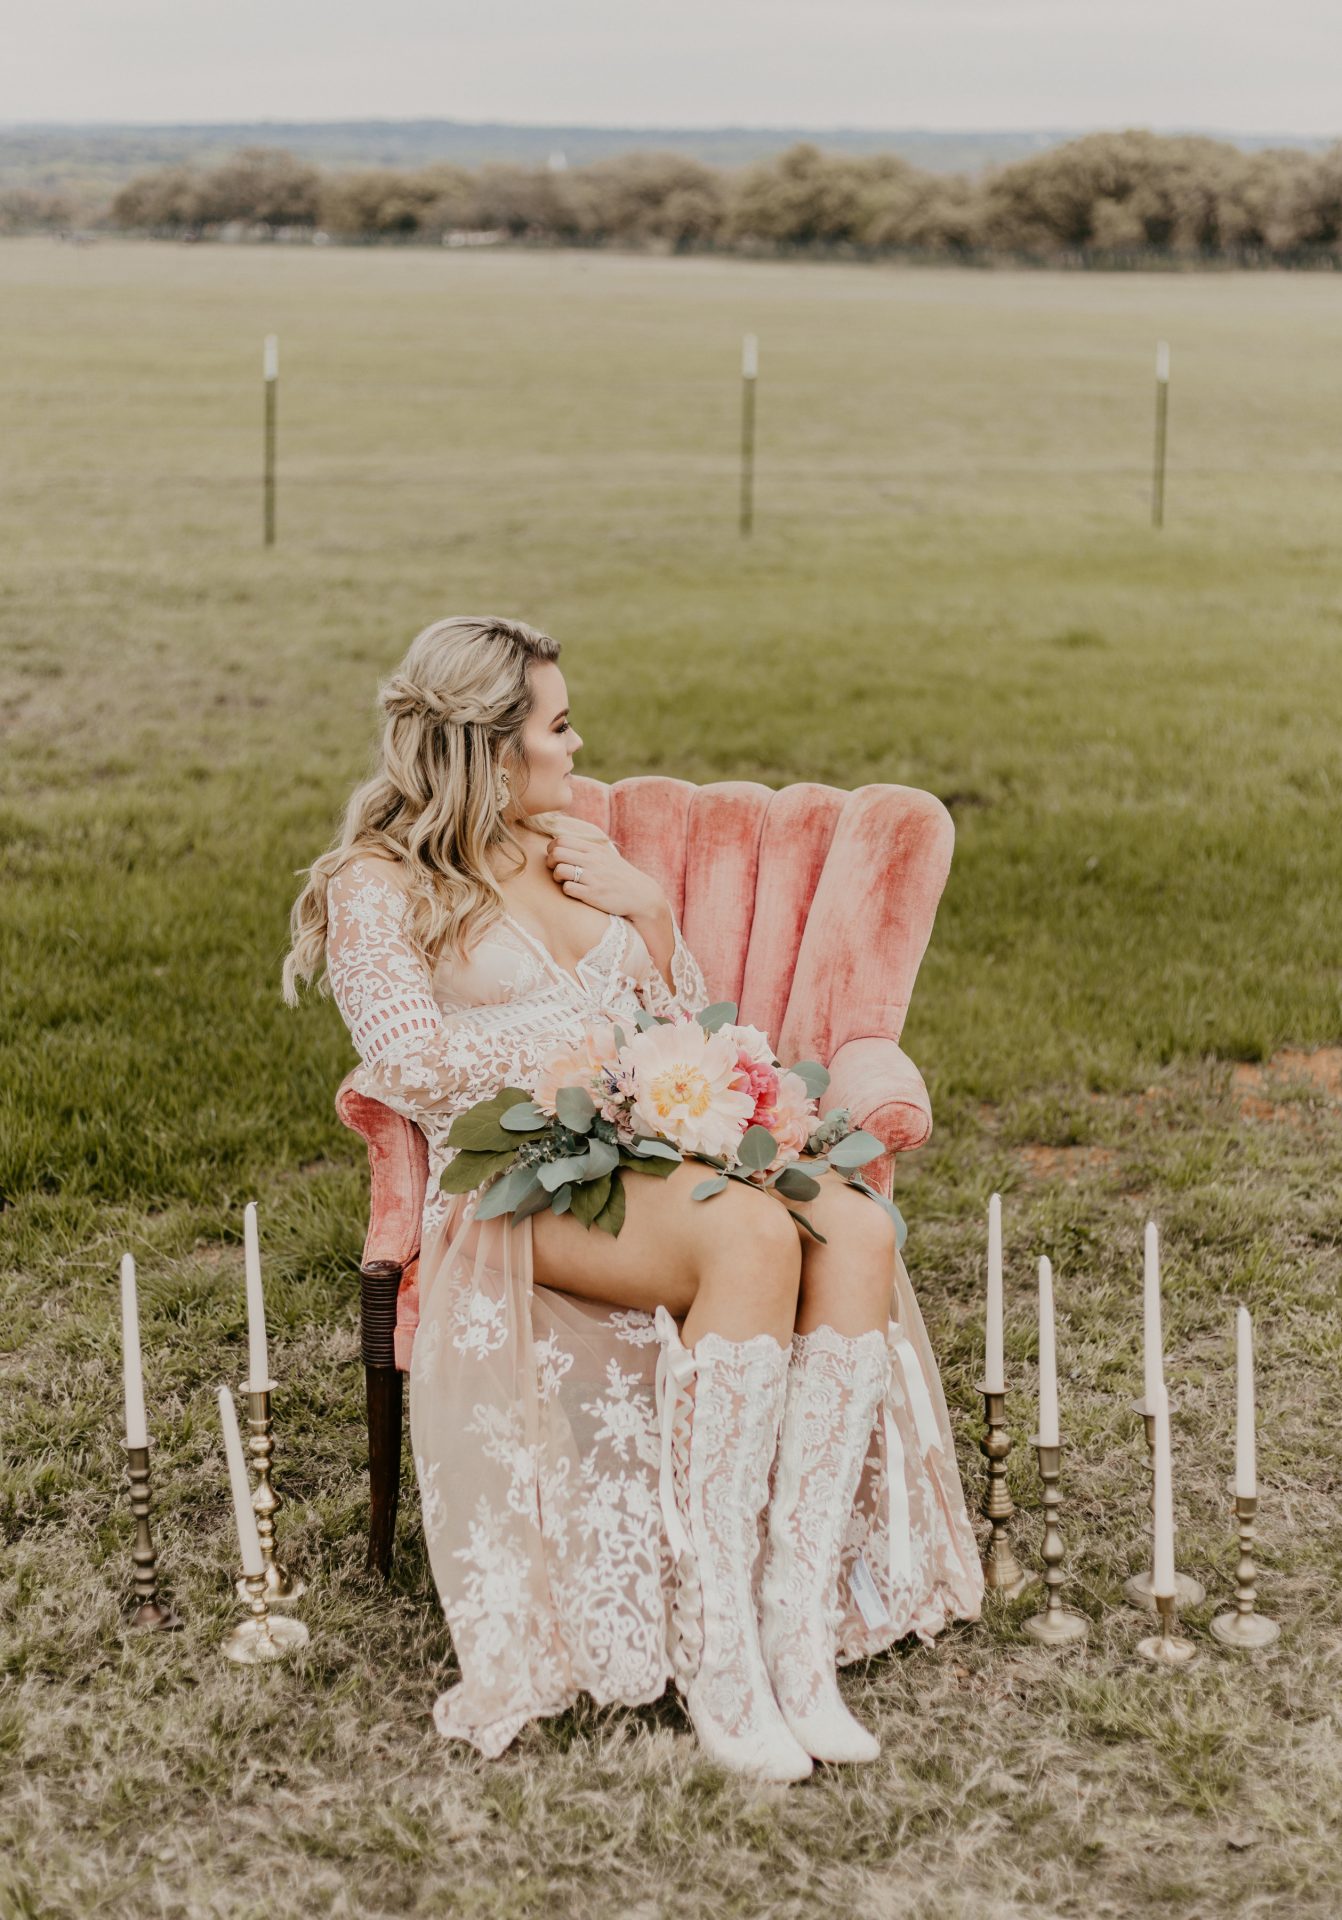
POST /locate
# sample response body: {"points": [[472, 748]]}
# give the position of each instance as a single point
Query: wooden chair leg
{"points": [[380, 1282]]}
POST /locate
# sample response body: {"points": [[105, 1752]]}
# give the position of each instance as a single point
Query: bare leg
{"points": [[728, 1265], [848, 1282]]}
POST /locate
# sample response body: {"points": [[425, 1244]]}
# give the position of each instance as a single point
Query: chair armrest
{"points": [[398, 1165], [884, 1092]]}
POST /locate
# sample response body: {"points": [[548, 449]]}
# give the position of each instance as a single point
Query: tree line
{"points": [[1105, 199]]}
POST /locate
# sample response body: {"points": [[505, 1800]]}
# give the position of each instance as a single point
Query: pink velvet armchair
{"points": [[809, 906]]}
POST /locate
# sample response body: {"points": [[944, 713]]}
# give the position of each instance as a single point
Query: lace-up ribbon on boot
{"points": [[835, 1386], [717, 1446]]}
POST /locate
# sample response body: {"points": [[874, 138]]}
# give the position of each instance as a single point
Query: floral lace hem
{"points": [[493, 1737]]}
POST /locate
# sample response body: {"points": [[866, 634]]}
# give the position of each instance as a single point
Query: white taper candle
{"points": [[1162, 1557], [270, 360], [1162, 359], [1048, 1359], [994, 1365], [248, 1538], [1152, 1354], [258, 1358], [137, 1432], [750, 357], [1246, 1454]]}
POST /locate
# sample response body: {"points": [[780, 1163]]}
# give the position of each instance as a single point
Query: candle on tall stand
{"points": [[1048, 1359], [150, 1611], [1001, 1570], [1057, 1625], [750, 366], [994, 1363], [1246, 1451], [258, 1387], [258, 1358], [1152, 1342], [1243, 1626], [137, 1430], [263, 1636], [1167, 1647], [1189, 1592]]}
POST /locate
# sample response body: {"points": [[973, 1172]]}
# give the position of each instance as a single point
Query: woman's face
{"points": [[551, 742]]}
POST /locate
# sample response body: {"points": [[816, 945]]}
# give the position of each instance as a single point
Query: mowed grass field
{"points": [[1124, 1013]]}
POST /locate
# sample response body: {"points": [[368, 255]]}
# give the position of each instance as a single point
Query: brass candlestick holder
{"points": [[1057, 1625], [151, 1613], [266, 1503], [1188, 1592], [266, 1635], [1001, 1569], [1243, 1627], [1167, 1648]]}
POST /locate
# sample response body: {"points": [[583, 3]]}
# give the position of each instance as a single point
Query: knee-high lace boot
{"points": [[835, 1385], [718, 1445]]}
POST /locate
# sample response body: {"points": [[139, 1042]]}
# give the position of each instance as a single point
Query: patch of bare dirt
{"points": [[1066, 1163], [1259, 1085]]}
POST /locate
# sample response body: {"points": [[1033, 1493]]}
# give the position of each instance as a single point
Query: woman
{"points": [[600, 1423]]}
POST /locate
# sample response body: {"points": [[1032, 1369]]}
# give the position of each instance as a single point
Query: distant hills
{"points": [[83, 158]]}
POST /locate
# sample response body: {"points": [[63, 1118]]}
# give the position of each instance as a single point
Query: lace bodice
{"points": [[432, 1042]]}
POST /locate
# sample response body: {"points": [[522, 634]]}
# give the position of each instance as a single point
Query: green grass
{"points": [[953, 584]]}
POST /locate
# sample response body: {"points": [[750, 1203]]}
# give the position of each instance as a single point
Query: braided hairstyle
{"points": [[450, 757]]}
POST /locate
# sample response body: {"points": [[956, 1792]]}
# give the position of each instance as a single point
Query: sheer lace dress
{"points": [[532, 1412]]}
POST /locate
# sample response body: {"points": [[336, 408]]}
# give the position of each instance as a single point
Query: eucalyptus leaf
{"points": [[467, 1170], [722, 1013], [644, 1164], [611, 1217], [479, 1129], [757, 1149], [706, 1188], [814, 1232], [620, 1042], [856, 1150], [590, 1198], [793, 1184], [643, 1019], [599, 1158], [533, 1203], [815, 1076], [526, 1118], [504, 1195], [576, 1108], [648, 1149], [562, 1200], [901, 1225]]}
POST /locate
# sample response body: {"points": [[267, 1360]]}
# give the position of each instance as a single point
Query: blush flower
{"points": [[593, 1065], [685, 1088]]}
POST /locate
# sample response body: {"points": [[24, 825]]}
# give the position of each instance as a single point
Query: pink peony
{"points": [[593, 1065], [686, 1087], [791, 1120]]}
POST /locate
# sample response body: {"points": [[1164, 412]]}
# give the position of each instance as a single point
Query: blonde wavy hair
{"points": [[450, 755]]}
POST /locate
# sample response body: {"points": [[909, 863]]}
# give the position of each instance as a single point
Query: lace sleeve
{"points": [[415, 1058], [690, 995]]}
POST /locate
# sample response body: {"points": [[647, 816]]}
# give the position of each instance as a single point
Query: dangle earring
{"points": [[502, 792]]}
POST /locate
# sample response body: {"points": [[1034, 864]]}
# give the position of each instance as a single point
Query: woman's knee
{"points": [[740, 1233]]}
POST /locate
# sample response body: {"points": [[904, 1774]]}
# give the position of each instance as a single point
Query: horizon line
{"points": [[723, 126]]}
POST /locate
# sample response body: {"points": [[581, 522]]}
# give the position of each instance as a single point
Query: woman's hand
{"points": [[608, 880]]}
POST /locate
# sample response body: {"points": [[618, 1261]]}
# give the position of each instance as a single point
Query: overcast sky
{"points": [[952, 64]]}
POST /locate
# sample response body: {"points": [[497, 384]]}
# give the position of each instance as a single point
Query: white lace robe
{"points": [[532, 1411]]}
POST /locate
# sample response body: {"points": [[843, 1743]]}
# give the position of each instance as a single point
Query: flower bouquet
{"points": [[698, 1087]]}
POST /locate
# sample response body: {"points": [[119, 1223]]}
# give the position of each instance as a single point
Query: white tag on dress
{"points": [[866, 1596]]}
